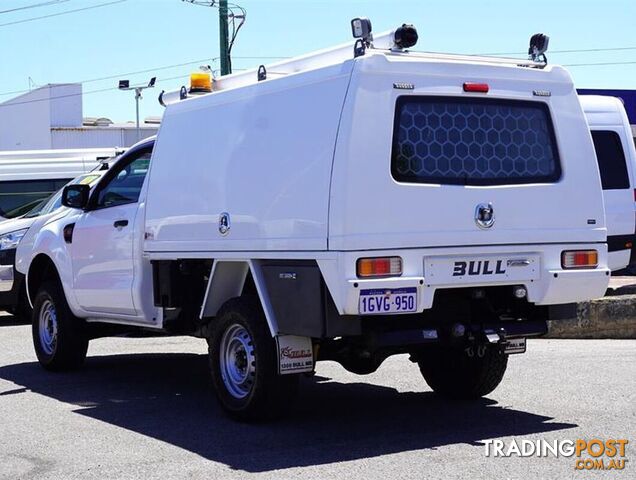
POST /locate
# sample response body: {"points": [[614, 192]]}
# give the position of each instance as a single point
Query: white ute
{"points": [[347, 205]]}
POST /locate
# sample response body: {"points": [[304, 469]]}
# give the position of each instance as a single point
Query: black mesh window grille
{"points": [[470, 141]]}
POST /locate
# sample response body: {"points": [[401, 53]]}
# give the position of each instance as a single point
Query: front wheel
{"points": [[243, 358], [58, 336], [453, 373]]}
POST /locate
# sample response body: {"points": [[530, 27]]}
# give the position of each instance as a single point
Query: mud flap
{"points": [[295, 354]]}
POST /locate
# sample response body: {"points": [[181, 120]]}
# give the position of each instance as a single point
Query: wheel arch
{"points": [[229, 279], [42, 268], [293, 294]]}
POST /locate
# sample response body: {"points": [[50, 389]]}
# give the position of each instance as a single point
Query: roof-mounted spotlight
{"points": [[361, 30], [538, 47], [405, 36]]}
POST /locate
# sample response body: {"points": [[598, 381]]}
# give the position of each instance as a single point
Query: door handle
{"points": [[120, 223]]}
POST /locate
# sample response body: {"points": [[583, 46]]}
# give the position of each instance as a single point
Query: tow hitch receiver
{"points": [[492, 336]]}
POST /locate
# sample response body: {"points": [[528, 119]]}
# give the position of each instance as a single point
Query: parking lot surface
{"points": [[143, 408]]}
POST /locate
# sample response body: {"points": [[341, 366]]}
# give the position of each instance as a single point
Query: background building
{"points": [[51, 117]]}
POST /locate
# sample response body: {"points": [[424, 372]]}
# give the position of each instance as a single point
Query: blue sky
{"points": [[135, 35]]}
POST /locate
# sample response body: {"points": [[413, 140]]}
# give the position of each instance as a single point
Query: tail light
{"points": [[579, 259], [476, 87], [379, 267]]}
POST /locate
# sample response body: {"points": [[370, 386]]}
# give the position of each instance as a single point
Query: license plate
{"points": [[382, 300], [480, 269]]}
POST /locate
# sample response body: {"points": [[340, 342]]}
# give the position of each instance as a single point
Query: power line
{"points": [[25, 102], [148, 70], [35, 5], [593, 64], [111, 77], [100, 90], [66, 12], [165, 67], [608, 49], [584, 50], [69, 95]]}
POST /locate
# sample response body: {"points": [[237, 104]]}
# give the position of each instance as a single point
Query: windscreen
{"points": [[473, 141], [18, 197]]}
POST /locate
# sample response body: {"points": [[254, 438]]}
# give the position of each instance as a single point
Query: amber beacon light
{"points": [[200, 82]]}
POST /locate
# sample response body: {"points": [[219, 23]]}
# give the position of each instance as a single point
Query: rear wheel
{"points": [[243, 357], [58, 336], [451, 372]]}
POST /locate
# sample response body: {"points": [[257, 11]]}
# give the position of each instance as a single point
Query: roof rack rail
{"points": [[385, 42]]}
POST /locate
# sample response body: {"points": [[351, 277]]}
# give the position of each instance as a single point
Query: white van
{"points": [[29, 176], [349, 205], [616, 156]]}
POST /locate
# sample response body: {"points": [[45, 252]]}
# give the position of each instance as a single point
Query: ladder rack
{"points": [[331, 56]]}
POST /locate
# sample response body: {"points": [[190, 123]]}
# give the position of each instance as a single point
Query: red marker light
{"points": [[476, 87]]}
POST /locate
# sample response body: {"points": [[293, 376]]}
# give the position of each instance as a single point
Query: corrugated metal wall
{"points": [[95, 137]]}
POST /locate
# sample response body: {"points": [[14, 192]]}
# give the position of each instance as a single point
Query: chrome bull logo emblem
{"points": [[484, 215]]}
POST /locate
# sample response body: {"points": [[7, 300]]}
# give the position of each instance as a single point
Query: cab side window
{"points": [[611, 160], [125, 186]]}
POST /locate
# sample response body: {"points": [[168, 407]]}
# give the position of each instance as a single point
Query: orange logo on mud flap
{"points": [[289, 352]]}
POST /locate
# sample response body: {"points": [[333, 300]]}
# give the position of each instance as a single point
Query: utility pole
{"points": [[226, 67]]}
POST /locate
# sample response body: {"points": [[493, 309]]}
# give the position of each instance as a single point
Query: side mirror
{"points": [[76, 196]]}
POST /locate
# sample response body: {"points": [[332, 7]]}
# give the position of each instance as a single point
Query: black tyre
{"points": [[243, 358], [452, 373], [58, 336]]}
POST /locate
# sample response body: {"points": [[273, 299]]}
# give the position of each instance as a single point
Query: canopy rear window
{"points": [[473, 141]]}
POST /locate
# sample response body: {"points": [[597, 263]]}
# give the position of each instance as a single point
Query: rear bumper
{"points": [[549, 284]]}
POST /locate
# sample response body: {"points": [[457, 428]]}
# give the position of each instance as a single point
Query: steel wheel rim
{"points": [[237, 361], [47, 327]]}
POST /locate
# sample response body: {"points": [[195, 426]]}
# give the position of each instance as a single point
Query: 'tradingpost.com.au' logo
{"points": [[592, 454]]}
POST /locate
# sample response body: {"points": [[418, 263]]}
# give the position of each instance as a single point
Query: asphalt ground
{"points": [[144, 408]]}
